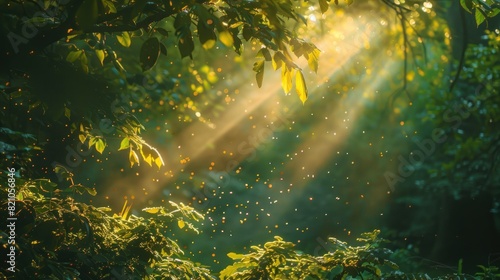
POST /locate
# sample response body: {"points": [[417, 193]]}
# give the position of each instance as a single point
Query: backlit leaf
{"points": [[82, 138], [133, 158], [100, 145], [159, 162], [235, 256], [124, 39], [286, 79], [100, 55], [300, 86], [226, 38], [124, 144], [152, 210], [74, 55], [480, 16], [312, 60], [181, 224]]}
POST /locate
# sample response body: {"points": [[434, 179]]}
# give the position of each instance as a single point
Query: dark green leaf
{"points": [[323, 5], [467, 5], [87, 13], [206, 34], [163, 49], [259, 68], [150, 51]]}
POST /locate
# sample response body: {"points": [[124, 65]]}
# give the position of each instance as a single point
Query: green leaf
{"points": [[349, 2], [467, 5], [92, 141], [163, 49], [259, 68], [92, 191], [100, 55], [480, 16], [226, 38], [150, 51], [182, 25], [100, 145], [67, 113], [323, 5], [286, 79], [74, 56], [186, 46], [300, 86], [124, 144], [124, 39], [206, 34], [87, 13], [84, 62], [264, 53], [278, 60]]}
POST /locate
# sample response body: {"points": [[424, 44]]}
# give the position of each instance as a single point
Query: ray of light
{"points": [[198, 138]]}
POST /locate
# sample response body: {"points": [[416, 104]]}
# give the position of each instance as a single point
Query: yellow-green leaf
{"points": [[124, 39], [133, 158], [312, 60], [124, 144], [92, 141], [235, 256], [226, 38], [480, 16], [100, 55], [91, 191], [349, 2], [74, 55], [286, 79], [100, 145], [67, 113], [152, 210], [159, 162], [82, 138], [181, 224], [300, 86], [277, 60], [208, 44], [148, 158]]}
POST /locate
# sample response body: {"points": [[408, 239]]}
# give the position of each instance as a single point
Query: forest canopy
{"points": [[168, 110]]}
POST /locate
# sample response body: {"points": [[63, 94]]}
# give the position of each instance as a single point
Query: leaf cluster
{"points": [[59, 238]]}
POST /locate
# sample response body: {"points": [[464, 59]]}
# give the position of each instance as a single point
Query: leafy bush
{"points": [[278, 260], [59, 238]]}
